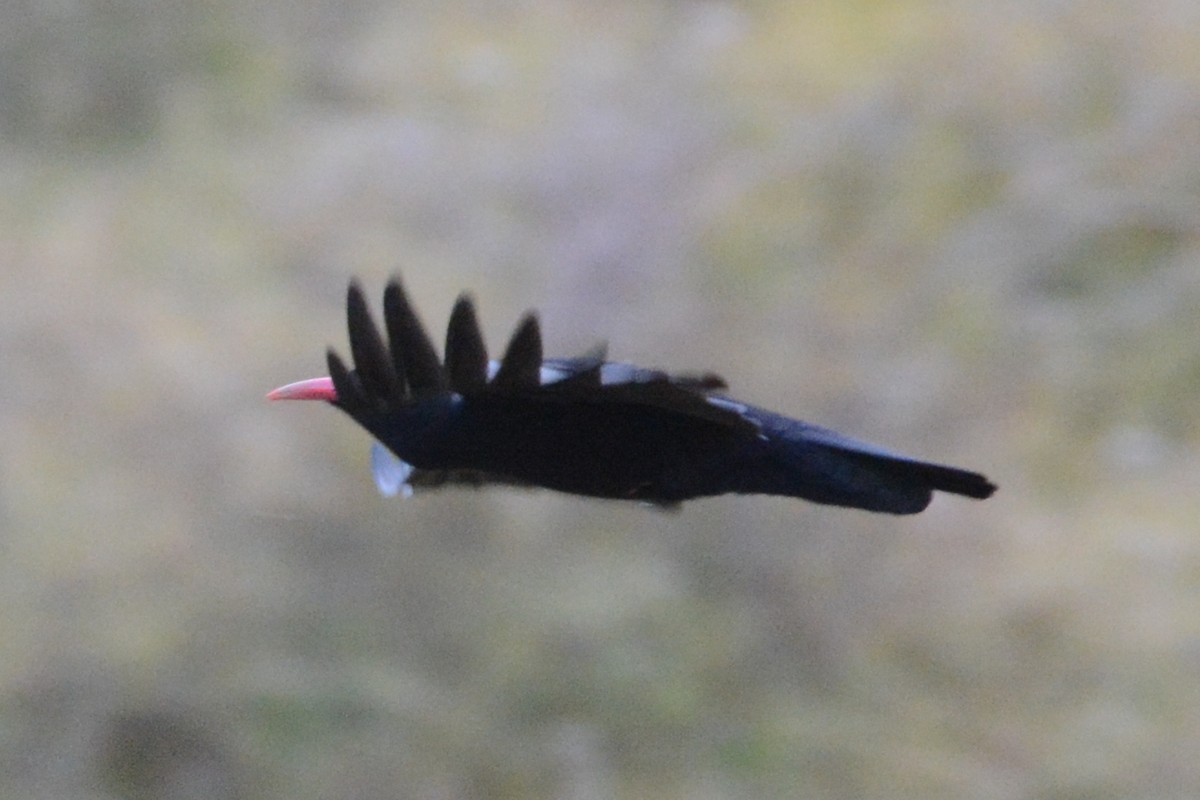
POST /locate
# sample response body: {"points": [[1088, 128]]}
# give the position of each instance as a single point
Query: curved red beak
{"points": [[311, 389]]}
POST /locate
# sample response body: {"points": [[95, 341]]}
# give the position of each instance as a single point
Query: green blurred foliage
{"points": [[967, 230]]}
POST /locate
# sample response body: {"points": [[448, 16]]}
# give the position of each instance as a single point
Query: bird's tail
{"points": [[948, 479], [824, 466]]}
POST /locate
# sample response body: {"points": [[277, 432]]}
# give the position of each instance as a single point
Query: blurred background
{"points": [[966, 230]]}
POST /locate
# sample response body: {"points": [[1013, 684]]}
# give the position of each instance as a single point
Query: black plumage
{"points": [[589, 426]]}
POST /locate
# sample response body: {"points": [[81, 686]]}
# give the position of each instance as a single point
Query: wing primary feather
{"points": [[522, 363], [466, 354], [412, 351], [371, 360], [345, 382]]}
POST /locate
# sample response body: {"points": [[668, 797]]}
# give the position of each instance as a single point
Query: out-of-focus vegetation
{"points": [[968, 230]]}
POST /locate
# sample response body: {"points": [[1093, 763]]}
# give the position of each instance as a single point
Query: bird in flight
{"points": [[589, 426]]}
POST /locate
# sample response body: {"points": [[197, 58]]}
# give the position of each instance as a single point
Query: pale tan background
{"points": [[970, 231]]}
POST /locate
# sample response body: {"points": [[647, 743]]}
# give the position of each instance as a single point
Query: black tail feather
{"points": [[951, 479]]}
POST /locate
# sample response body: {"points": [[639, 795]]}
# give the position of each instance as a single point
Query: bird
{"points": [[588, 426]]}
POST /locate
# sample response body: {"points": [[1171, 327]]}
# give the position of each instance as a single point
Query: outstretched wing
{"points": [[406, 368]]}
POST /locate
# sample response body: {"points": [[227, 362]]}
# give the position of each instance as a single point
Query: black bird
{"points": [[589, 426]]}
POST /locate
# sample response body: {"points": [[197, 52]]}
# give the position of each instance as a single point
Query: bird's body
{"points": [[591, 427]]}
